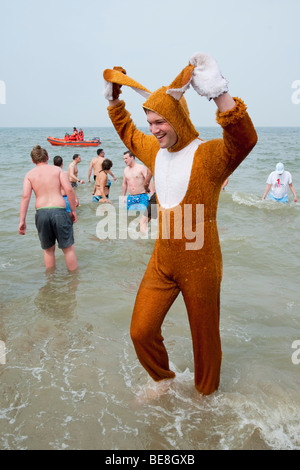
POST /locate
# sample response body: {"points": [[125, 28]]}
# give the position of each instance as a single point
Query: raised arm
{"points": [[239, 135], [143, 146], [224, 102], [112, 103]]}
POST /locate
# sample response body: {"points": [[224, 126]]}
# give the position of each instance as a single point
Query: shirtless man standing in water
{"points": [[96, 166], [52, 220], [134, 180], [73, 171]]}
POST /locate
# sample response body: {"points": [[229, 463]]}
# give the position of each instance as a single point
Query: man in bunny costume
{"points": [[188, 173]]}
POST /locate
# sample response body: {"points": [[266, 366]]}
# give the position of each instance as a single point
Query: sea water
{"points": [[69, 375]]}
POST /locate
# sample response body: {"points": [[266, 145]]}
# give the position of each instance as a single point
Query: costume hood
{"points": [[167, 101]]}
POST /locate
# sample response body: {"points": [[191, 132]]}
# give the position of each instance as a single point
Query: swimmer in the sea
{"points": [[102, 183], [134, 179]]}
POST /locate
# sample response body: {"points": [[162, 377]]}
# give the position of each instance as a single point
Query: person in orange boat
{"points": [[74, 136], [67, 137], [188, 174], [80, 134]]}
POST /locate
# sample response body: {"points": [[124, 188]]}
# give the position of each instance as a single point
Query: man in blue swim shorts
{"points": [[134, 181], [137, 202]]}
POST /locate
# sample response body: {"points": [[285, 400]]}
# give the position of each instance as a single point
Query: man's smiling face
{"points": [[162, 130]]}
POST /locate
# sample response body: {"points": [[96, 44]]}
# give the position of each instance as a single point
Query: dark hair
{"points": [[107, 164], [75, 155], [57, 161], [38, 154], [99, 151], [129, 153]]}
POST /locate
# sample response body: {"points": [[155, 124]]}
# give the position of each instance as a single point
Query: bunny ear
{"points": [[114, 76], [181, 82]]}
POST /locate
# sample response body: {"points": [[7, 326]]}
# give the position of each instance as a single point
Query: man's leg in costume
{"points": [[203, 307], [155, 297]]}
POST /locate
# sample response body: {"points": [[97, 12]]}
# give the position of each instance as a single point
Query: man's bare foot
{"points": [[153, 390]]}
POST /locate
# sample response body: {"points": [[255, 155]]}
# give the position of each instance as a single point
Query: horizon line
{"points": [[112, 127]]}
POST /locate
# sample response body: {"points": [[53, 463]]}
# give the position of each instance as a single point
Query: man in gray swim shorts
{"points": [[52, 220], [54, 224]]}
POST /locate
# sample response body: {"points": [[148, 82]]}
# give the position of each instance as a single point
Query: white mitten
{"points": [[207, 79], [108, 90]]}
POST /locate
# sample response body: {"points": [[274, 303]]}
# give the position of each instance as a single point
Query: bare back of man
{"points": [[96, 166], [47, 183]]}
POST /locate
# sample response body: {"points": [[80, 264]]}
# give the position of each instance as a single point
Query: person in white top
{"points": [[277, 184]]}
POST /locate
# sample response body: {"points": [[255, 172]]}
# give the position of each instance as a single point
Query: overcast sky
{"points": [[53, 55]]}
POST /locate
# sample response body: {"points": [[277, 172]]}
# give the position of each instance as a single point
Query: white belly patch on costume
{"points": [[172, 174]]}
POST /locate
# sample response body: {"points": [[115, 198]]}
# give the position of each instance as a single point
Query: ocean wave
{"points": [[251, 200], [7, 263]]}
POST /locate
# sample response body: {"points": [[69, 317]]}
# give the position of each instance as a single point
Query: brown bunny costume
{"points": [[188, 178]]}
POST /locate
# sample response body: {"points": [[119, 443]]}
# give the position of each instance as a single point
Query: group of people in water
{"points": [[54, 191], [137, 182], [76, 135], [138, 191]]}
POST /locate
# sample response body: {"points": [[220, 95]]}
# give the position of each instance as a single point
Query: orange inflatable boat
{"points": [[75, 143]]}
